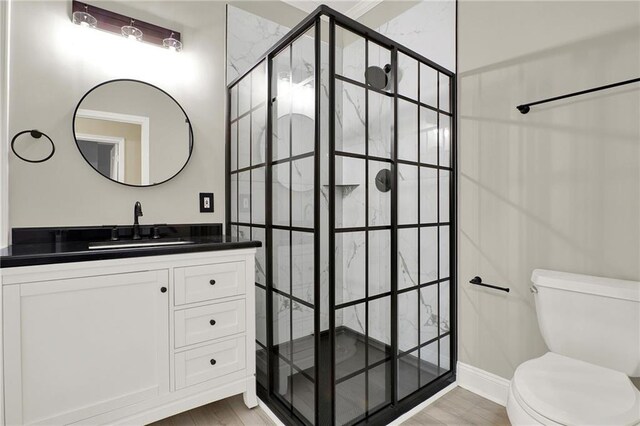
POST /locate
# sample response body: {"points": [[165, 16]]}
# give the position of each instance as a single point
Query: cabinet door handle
{"points": [[212, 282], [212, 322], [163, 289], [213, 361]]}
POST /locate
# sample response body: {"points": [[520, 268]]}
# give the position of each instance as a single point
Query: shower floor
{"points": [[298, 389]]}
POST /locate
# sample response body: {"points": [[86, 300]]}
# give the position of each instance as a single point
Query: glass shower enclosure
{"points": [[341, 160]]}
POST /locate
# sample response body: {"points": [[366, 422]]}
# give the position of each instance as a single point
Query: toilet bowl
{"points": [[558, 390], [592, 327]]}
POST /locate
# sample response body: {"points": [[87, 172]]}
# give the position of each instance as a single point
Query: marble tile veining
{"points": [[248, 37]]}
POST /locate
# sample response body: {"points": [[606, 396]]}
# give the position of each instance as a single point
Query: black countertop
{"points": [[43, 246]]}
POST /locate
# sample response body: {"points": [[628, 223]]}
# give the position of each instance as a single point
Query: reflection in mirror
{"points": [[133, 133]]}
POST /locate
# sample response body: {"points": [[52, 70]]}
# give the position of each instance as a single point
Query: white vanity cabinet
{"points": [[127, 341]]}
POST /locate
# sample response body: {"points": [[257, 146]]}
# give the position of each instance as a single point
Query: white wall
{"points": [[558, 188], [4, 125], [53, 65]]}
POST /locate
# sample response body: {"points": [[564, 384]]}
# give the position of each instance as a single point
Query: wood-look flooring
{"points": [[461, 407], [456, 408], [228, 412]]}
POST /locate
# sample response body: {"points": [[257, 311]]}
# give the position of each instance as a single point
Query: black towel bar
{"points": [[525, 108], [478, 281]]}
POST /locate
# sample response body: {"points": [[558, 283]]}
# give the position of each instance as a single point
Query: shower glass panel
{"points": [[340, 159], [246, 151], [362, 207], [293, 150]]}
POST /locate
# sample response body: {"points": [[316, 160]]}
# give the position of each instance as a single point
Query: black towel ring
{"points": [[36, 134]]}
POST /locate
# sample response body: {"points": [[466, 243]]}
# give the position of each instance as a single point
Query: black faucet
{"points": [[137, 212]]}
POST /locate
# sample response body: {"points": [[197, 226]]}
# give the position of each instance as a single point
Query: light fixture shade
{"points": [[132, 29], [172, 43], [84, 19], [131, 32]]}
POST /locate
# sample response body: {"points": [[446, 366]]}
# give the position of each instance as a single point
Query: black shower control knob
{"points": [[212, 282], [213, 361], [163, 289], [212, 322], [383, 180]]}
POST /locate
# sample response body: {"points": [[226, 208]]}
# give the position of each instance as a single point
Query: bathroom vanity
{"points": [[125, 335]]}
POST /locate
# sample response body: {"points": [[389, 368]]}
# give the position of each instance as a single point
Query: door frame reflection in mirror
{"points": [[129, 119], [118, 142]]}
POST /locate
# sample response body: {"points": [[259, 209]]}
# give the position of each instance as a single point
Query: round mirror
{"points": [[133, 132]]}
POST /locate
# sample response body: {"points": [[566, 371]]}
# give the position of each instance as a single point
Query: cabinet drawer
{"points": [[208, 282], [209, 322], [208, 362]]}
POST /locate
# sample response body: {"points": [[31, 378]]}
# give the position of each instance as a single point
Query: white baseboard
{"points": [[415, 410], [483, 383], [269, 413]]}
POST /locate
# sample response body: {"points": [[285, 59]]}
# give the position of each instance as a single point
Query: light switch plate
{"points": [[206, 202]]}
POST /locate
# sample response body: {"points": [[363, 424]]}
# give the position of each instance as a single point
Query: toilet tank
{"points": [[593, 319]]}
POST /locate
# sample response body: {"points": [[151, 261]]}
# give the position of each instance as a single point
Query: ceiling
{"points": [[352, 8]]}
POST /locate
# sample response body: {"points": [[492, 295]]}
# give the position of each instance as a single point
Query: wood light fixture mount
{"points": [[126, 26]]}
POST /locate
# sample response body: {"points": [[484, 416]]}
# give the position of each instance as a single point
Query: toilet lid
{"points": [[572, 392]]}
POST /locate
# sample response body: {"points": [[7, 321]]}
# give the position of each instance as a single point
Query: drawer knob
{"points": [[213, 361], [212, 282], [212, 322], [163, 289]]}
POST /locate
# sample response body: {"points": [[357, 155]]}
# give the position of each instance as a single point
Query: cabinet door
{"points": [[75, 348]]}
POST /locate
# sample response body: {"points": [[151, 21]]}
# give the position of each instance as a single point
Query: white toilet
{"points": [[592, 328]]}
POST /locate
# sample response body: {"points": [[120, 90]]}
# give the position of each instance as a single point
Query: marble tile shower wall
{"points": [[249, 36], [428, 28], [351, 210]]}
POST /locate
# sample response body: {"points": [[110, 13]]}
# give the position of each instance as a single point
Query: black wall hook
{"points": [[478, 281], [36, 134]]}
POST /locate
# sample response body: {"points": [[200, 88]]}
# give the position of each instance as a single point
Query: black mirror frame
{"points": [[73, 130]]}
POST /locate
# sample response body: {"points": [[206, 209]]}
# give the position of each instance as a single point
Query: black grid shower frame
{"points": [[268, 226], [253, 109], [398, 407], [366, 159], [416, 351], [394, 94], [290, 228]]}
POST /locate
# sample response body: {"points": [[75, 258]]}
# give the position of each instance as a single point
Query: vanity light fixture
{"points": [[126, 26], [131, 32], [84, 18], [172, 44]]}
